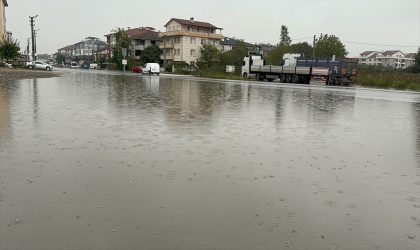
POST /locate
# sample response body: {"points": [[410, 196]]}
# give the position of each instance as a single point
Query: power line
{"points": [[381, 44]]}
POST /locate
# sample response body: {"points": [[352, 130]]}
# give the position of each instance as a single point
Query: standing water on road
{"points": [[97, 161]]}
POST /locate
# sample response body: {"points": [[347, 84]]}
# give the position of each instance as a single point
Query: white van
{"points": [[151, 68], [74, 65]]}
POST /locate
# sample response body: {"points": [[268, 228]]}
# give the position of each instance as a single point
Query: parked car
{"points": [[41, 65], [151, 68], [5, 64], [61, 66], [74, 65], [28, 64], [137, 69]]}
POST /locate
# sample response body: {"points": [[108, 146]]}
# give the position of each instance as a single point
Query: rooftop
{"points": [[191, 22]]}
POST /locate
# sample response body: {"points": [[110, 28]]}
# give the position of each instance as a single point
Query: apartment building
{"points": [[229, 43], [141, 37], [3, 5], [389, 58], [183, 39], [88, 46]]}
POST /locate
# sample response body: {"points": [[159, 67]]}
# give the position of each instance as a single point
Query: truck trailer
{"points": [[341, 70], [254, 65]]}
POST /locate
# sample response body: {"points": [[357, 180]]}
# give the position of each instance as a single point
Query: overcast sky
{"points": [[358, 24]]}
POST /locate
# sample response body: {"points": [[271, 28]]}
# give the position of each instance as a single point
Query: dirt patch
{"points": [[8, 75]]}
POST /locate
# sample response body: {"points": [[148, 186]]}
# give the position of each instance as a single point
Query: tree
{"points": [[275, 56], [60, 58], [303, 48], [122, 40], [234, 57], [417, 59], [284, 36], [208, 55], [327, 46], [9, 48], [151, 54]]}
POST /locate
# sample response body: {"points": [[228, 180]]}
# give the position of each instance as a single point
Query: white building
{"points": [[183, 39], [389, 58], [3, 5]]}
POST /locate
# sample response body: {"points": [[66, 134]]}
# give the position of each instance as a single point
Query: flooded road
{"points": [[97, 161]]}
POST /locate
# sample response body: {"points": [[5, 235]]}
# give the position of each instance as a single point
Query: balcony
{"points": [[168, 57], [191, 34], [168, 46]]}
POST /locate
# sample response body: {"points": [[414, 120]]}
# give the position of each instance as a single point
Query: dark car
{"points": [[137, 69]]}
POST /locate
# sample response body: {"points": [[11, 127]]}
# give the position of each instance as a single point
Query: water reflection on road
{"points": [[98, 161]]}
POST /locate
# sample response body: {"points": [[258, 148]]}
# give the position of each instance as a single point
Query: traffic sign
{"points": [[124, 62]]}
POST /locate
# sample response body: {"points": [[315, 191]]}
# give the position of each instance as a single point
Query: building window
{"points": [[189, 29], [178, 27], [212, 42], [178, 52], [192, 53], [198, 29], [203, 41], [192, 40], [170, 28]]}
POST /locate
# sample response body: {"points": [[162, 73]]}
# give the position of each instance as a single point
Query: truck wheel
{"points": [[282, 78], [258, 76], [245, 75], [288, 78], [296, 79], [331, 80]]}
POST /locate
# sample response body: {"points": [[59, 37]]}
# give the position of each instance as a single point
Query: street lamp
{"points": [[164, 50]]}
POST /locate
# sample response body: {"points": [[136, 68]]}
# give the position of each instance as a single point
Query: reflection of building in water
{"points": [[5, 132]]}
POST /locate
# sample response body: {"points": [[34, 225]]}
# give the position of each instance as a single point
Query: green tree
{"points": [[275, 56], [417, 59], [151, 54], [234, 57], [303, 48], [327, 46], [122, 40], [208, 56], [60, 58], [284, 36], [9, 48]]}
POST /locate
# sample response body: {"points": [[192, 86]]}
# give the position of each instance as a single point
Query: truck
{"points": [[341, 70], [299, 69], [290, 72]]}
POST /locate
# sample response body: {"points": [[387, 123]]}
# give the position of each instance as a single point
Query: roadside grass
{"points": [[386, 80]]}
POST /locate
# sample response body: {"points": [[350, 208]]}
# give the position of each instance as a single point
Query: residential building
{"points": [[229, 43], [44, 57], [142, 37], [3, 5], [85, 48], [389, 58], [184, 38], [68, 52]]}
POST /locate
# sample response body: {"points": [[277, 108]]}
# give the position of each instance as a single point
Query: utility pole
{"points": [[35, 42], [313, 54], [33, 37], [27, 50]]}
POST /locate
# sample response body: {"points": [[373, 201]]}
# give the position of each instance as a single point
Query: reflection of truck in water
{"points": [[299, 69], [254, 64]]}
